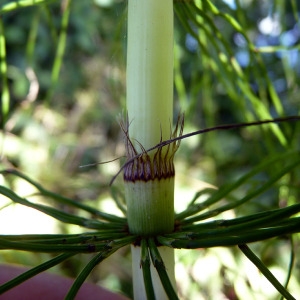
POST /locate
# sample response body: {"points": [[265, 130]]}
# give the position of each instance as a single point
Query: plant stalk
{"points": [[149, 178]]}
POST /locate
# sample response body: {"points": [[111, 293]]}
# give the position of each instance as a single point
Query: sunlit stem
{"points": [[149, 180], [167, 255], [150, 70]]}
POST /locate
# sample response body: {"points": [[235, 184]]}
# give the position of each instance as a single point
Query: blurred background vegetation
{"points": [[63, 115]]}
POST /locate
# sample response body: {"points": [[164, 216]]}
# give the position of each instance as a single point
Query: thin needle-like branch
{"points": [[265, 271], [216, 128]]}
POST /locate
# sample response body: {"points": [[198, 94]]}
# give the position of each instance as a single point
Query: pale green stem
{"points": [[167, 255], [149, 180], [149, 187], [150, 70]]}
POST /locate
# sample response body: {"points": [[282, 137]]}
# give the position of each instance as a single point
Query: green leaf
{"points": [[161, 270], [145, 264], [34, 271], [64, 200], [14, 5], [113, 246], [244, 237], [265, 271]]}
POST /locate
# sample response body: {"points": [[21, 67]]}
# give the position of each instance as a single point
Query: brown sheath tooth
{"points": [[148, 166]]}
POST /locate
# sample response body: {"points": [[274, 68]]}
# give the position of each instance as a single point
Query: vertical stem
{"points": [[5, 96], [150, 70], [149, 178], [167, 255], [61, 47]]}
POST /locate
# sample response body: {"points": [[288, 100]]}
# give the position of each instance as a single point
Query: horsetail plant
{"points": [[149, 179], [150, 225]]}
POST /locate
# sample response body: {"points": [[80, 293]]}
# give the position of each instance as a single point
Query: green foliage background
{"points": [[75, 56]]}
